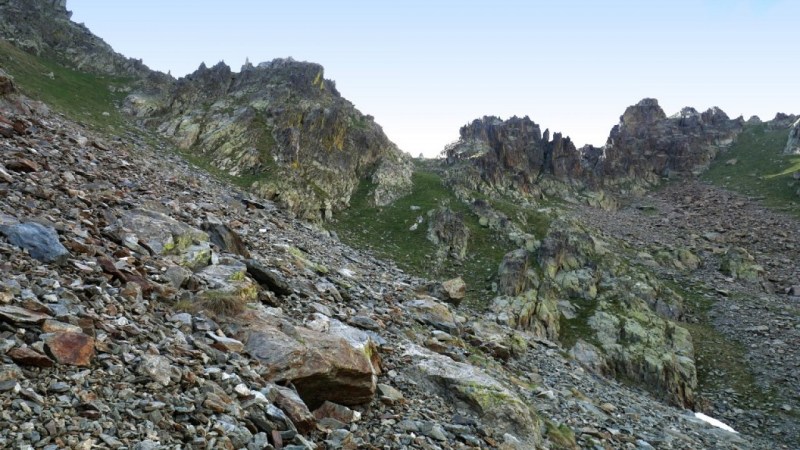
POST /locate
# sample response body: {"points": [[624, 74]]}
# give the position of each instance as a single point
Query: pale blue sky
{"points": [[425, 68]]}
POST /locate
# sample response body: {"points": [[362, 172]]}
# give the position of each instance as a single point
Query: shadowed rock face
{"points": [[516, 152], [645, 146]]}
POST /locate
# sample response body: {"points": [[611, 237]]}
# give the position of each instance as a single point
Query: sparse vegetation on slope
{"points": [[755, 166], [387, 231], [81, 96]]}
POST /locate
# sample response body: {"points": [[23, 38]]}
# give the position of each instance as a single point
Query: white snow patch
{"points": [[714, 422]]}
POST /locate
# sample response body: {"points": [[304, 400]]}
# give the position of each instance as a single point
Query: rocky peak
{"points": [[283, 126], [645, 112], [515, 152], [647, 144], [44, 28]]}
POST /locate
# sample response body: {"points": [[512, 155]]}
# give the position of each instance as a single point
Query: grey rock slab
{"points": [[41, 242]]}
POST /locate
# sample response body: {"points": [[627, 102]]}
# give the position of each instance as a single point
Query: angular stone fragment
{"points": [[226, 239], [17, 315], [340, 365], [75, 349], [226, 344], [29, 357], [41, 242], [294, 407], [269, 278], [22, 165], [335, 411]]}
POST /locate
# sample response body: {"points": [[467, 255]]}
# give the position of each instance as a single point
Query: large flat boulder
{"points": [[333, 362], [472, 390], [142, 229]]}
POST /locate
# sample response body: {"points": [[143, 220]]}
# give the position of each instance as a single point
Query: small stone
{"points": [[608, 407], [157, 367], [336, 411], [389, 394], [226, 344]]}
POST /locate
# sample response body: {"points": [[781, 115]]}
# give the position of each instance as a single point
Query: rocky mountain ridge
{"points": [[145, 305], [279, 128], [645, 147]]}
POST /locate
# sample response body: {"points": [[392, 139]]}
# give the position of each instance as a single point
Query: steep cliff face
{"points": [[283, 127], [516, 154], [647, 145]]}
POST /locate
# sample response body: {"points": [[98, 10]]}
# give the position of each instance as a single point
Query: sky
{"points": [[424, 68]]}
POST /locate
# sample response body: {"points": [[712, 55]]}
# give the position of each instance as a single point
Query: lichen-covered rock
{"points": [[738, 263], [471, 389], [150, 231], [449, 233], [285, 123], [646, 348]]}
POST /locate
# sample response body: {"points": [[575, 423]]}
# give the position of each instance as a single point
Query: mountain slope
{"points": [[133, 311]]}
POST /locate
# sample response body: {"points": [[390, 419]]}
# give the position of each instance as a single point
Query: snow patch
{"points": [[714, 422]]}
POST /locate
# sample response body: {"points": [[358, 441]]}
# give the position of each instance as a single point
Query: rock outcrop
{"points": [[647, 145], [44, 28], [516, 156], [793, 142], [281, 128]]}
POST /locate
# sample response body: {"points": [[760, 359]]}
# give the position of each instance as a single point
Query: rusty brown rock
{"points": [[75, 349], [294, 407], [335, 411], [340, 365]]}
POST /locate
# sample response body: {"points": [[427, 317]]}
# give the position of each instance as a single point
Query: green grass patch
{"points": [[83, 97], [720, 360], [386, 231], [761, 170], [570, 330]]}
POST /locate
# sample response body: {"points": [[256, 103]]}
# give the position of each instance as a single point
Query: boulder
{"points": [[71, 348], [225, 238], [451, 291], [428, 311], [449, 233], [333, 362], [472, 390], [41, 242], [162, 235], [738, 263]]}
